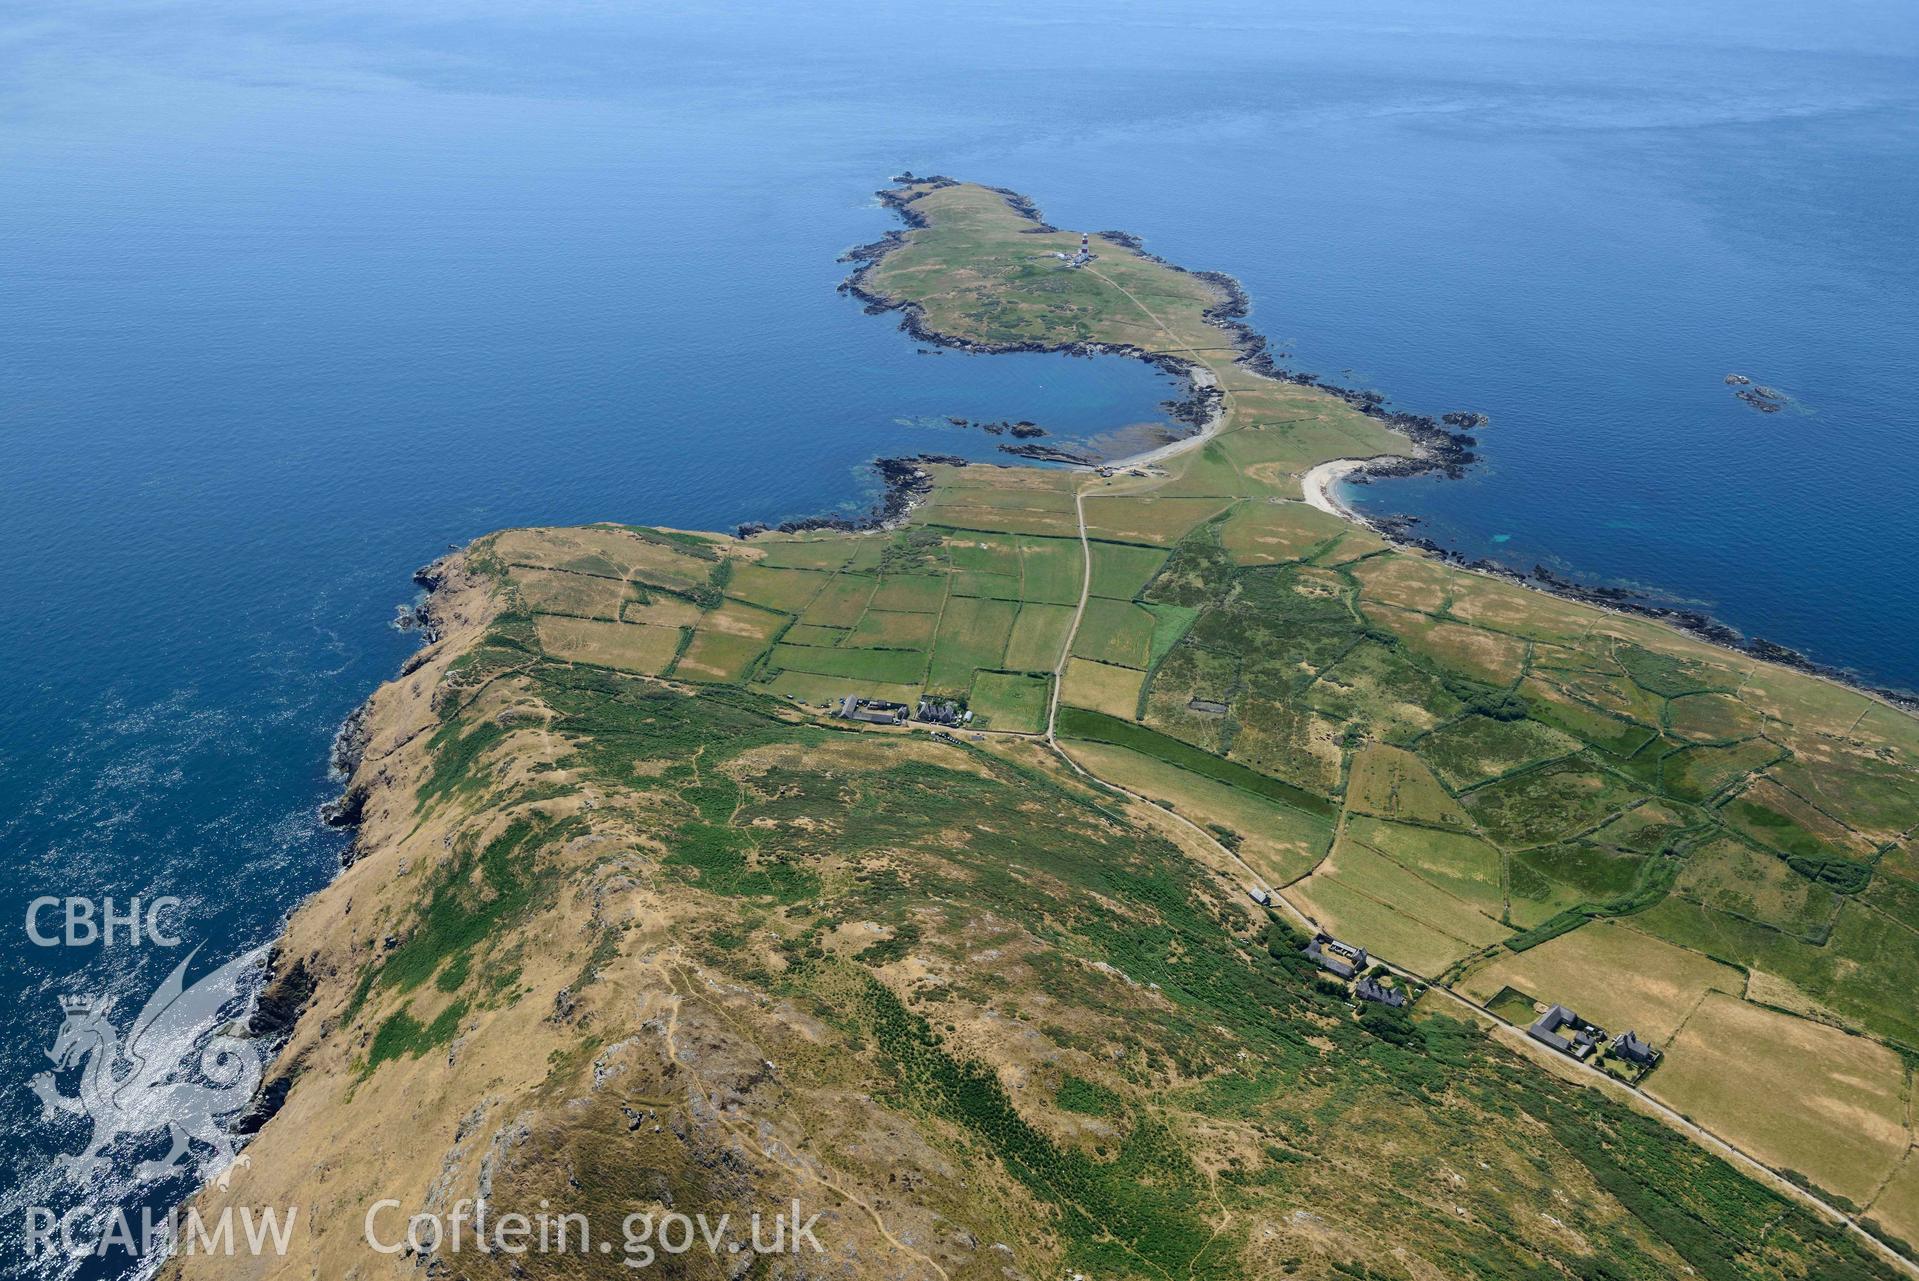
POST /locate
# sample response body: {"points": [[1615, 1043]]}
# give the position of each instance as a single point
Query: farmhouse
{"points": [[1629, 1047], [1340, 958], [1580, 1042], [942, 711], [1367, 990]]}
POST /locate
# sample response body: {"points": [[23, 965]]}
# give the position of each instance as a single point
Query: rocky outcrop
{"points": [[1050, 454], [906, 481], [346, 809], [349, 743], [279, 1004], [1024, 429], [1200, 405]]}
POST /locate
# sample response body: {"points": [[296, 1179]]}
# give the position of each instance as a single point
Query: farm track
{"points": [[1505, 1030]]}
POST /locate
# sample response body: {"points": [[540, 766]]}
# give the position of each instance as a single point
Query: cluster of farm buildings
{"points": [[1558, 1027], [877, 711], [1566, 1032]]}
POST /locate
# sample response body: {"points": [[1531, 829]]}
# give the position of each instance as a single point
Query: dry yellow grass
{"points": [[1159, 521], [1897, 1205], [1352, 915], [629, 646], [663, 611], [734, 619], [1613, 975], [1393, 783], [1267, 533], [1102, 687], [1798, 1095], [1504, 607], [548, 590], [1454, 907], [602, 550]]}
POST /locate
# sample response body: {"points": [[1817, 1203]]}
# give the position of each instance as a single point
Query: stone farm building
{"points": [[1340, 958], [1581, 1041]]}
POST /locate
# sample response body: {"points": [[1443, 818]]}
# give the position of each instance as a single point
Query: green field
{"points": [[972, 635], [1051, 570], [909, 593], [1122, 570], [1463, 866], [1393, 783], [894, 666], [1100, 728], [1010, 701], [1117, 632], [1477, 748], [878, 629], [783, 589], [840, 602], [1038, 638], [1283, 843], [1547, 803]]}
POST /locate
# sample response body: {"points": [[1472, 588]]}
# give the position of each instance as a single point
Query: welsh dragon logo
{"points": [[145, 1084]]}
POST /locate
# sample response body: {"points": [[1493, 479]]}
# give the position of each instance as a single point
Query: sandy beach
{"points": [[1317, 485], [1201, 377]]}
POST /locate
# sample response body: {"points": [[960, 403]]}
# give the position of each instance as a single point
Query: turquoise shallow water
{"points": [[296, 296]]}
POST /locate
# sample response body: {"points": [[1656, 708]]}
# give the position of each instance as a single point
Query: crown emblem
{"points": [[79, 1004]]}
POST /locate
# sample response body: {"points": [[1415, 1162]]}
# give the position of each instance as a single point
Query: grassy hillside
{"points": [[636, 924]]}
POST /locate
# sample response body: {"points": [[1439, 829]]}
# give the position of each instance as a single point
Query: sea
{"points": [[295, 296]]}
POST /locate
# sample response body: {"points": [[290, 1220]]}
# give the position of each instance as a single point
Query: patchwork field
{"points": [[1656, 825]]}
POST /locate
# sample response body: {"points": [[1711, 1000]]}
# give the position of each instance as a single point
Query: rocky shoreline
{"points": [[1398, 530], [1439, 444], [912, 316], [906, 482], [351, 739], [1051, 454]]}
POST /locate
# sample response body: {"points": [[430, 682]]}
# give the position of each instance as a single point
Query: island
{"points": [[1140, 870]]}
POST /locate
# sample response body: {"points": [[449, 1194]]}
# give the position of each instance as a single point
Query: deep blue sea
{"points": [[293, 296]]}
